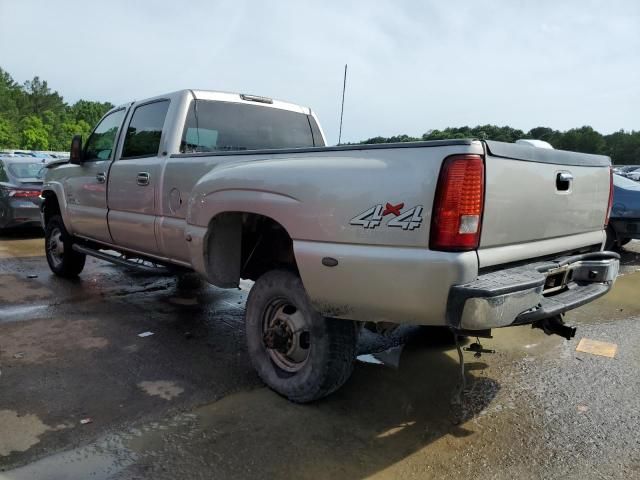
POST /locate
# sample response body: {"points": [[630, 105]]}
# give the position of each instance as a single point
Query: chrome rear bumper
{"points": [[528, 293]]}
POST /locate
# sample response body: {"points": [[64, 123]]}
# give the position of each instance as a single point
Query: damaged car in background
{"points": [[20, 183], [624, 224], [466, 234]]}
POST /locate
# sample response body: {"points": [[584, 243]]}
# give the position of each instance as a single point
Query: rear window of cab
{"points": [[214, 126]]}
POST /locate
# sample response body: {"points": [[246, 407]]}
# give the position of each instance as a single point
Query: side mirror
{"points": [[75, 155]]}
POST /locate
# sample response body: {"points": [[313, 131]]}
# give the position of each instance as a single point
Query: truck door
{"points": [[86, 186], [134, 179]]}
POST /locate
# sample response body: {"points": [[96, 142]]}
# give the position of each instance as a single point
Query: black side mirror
{"points": [[75, 155]]}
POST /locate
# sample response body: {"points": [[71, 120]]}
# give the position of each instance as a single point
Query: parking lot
{"points": [[83, 395]]}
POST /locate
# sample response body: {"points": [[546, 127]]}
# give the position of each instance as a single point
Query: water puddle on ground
{"points": [[620, 303], [380, 420], [521, 341], [28, 247], [161, 388], [14, 289], [19, 313], [43, 339], [18, 433], [99, 461]]}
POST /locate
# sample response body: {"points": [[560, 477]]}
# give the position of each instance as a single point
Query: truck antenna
{"points": [[344, 87]]}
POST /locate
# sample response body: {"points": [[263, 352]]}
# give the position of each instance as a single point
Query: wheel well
{"points": [[246, 245], [50, 205]]}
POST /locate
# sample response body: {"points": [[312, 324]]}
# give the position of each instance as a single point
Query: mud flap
{"points": [[391, 356]]}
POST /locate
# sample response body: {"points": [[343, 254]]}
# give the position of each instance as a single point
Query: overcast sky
{"points": [[413, 66]]}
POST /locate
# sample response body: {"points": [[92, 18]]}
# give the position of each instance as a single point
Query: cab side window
{"points": [[101, 142], [145, 130]]}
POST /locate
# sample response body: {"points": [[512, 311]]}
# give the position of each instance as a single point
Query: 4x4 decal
{"points": [[373, 217]]}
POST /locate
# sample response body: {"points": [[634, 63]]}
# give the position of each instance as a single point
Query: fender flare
{"points": [[56, 190]]}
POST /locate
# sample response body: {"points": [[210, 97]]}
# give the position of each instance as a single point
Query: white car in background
{"points": [[633, 174]]}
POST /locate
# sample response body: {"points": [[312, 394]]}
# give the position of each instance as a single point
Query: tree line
{"points": [[34, 117], [623, 147]]}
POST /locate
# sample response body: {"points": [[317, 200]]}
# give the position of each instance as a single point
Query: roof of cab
{"points": [[220, 96], [246, 98]]}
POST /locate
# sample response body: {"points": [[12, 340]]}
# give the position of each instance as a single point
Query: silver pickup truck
{"points": [[467, 234]]}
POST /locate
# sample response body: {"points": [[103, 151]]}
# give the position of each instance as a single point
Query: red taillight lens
{"points": [[457, 211], [606, 218], [24, 193]]}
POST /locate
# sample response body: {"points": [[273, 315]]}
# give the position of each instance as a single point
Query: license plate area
{"points": [[556, 280]]}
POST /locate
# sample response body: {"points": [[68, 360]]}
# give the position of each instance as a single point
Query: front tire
{"points": [[295, 350], [62, 259]]}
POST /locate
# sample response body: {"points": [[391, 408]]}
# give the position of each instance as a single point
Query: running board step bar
{"points": [[118, 260]]}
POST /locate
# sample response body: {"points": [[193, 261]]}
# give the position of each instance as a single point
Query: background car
{"points": [[624, 168], [633, 174], [20, 184], [624, 223]]}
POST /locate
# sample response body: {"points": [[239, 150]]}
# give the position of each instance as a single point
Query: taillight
{"points": [[457, 211], [16, 193], [606, 218]]}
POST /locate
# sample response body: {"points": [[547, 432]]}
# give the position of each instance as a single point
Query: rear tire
{"points": [[296, 352], [62, 259]]}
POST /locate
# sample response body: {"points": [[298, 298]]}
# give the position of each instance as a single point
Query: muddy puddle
{"points": [[368, 429], [31, 247], [623, 301]]}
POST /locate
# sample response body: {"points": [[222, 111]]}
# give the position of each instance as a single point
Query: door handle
{"points": [[101, 177], [563, 181], [143, 178]]}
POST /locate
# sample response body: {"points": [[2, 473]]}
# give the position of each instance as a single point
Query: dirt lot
{"points": [[185, 403]]}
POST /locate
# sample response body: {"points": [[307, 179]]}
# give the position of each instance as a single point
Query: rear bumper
{"points": [[515, 296], [19, 213]]}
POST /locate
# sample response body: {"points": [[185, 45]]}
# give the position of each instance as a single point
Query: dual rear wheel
{"points": [[296, 351]]}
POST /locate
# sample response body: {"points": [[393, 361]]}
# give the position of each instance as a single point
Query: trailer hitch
{"points": [[555, 325]]}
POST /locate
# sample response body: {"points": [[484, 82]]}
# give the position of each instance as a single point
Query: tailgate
{"points": [[539, 202]]}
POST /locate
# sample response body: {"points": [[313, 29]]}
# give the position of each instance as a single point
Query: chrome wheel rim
{"points": [[286, 335], [55, 247]]}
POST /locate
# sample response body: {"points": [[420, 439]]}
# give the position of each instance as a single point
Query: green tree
{"points": [[39, 98], [33, 134], [89, 112], [33, 116], [67, 130], [624, 147], [584, 139], [8, 136]]}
